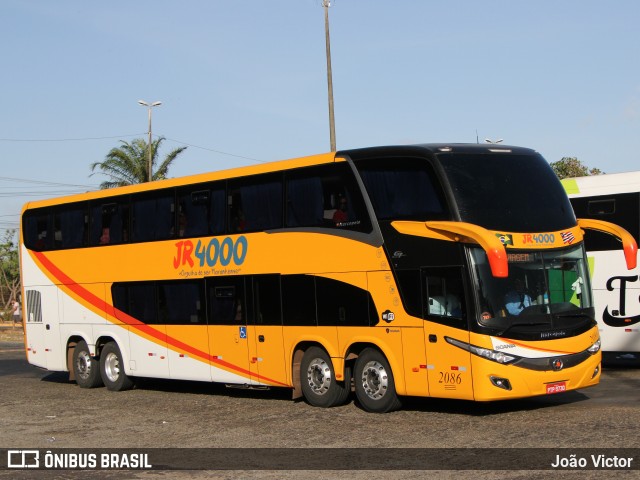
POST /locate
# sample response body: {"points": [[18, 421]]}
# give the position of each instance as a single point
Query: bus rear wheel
{"points": [[319, 384], [375, 388], [86, 369], [112, 369]]}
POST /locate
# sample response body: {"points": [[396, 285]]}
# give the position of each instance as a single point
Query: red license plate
{"points": [[556, 388]]}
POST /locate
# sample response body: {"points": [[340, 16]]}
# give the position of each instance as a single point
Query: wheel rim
{"points": [[83, 365], [112, 367], [319, 376], [375, 380]]}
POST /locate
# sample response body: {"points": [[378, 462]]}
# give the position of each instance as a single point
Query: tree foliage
{"points": [[128, 164], [569, 167], [9, 273]]}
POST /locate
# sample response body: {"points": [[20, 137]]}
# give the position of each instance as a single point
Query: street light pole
{"points": [[150, 106], [332, 127]]}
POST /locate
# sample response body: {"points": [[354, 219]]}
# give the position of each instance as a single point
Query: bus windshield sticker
{"points": [[567, 237], [505, 238]]}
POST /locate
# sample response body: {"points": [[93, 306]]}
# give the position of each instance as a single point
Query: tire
{"points": [[112, 369], [319, 384], [374, 384], [86, 369]]}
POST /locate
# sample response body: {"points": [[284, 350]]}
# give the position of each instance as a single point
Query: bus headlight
{"points": [[499, 357], [595, 348], [493, 355]]}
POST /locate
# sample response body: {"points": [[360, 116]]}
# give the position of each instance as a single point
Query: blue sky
{"points": [[244, 81]]}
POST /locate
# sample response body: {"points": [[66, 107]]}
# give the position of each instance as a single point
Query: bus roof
{"points": [[187, 180], [436, 148], [274, 166], [606, 184]]}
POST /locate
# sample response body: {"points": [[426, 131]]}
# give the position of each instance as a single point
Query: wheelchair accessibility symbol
{"points": [[243, 332]]}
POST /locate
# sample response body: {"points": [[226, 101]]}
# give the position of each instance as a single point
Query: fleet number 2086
{"points": [[450, 378]]}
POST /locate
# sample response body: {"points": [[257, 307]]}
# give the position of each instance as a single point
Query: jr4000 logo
{"points": [[539, 238], [215, 252]]}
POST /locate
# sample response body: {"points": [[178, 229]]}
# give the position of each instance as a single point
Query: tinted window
{"points": [[298, 300], [622, 209], [504, 191], [181, 303], [326, 196], [409, 285], [403, 188], [266, 293], [201, 211], [38, 229], [70, 226], [255, 204], [602, 207], [153, 217], [226, 301], [109, 221], [341, 304], [137, 300]]}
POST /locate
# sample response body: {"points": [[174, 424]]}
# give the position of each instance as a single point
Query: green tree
{"points": [[128, 164], [9, 273], [569, 167]]}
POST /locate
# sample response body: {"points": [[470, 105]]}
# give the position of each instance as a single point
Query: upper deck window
{"points": [[152, 216], [37, 229], [109, 222], [255, 204], [325, 196], [403, 188], [510, 192], [201, 210]]}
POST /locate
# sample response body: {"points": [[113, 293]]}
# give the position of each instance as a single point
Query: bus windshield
{"points": [[544, 288], [504, 191]]}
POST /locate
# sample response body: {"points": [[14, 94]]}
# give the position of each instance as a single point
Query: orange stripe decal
{"points": [[104, 307]]}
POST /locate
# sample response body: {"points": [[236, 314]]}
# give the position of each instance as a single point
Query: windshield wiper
{"points": [[568, 315]]}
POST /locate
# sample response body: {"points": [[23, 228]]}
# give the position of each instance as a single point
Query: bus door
{"points": [[228, 332], [182, 306], [266, 343], [448, 366], [41, 330]]}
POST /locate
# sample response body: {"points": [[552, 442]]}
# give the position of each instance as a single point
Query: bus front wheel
{"points": [[112, 369], [319, 384], [86, 369], [375, 388]]}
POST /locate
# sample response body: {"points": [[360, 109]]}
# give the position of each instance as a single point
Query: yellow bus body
{"points": [[76, 286]]}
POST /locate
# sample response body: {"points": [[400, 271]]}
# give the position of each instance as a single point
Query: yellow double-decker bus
{"points": [[452, 271]]}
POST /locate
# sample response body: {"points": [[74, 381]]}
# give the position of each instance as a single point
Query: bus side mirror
{"points": [[629, 244]]}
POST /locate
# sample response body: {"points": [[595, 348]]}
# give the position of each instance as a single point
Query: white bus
{"points": [[613, 198]]}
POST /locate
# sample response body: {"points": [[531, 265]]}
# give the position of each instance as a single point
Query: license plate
{"points": [[556, 387]]}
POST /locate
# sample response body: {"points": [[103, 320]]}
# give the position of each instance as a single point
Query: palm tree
{"points": [[128, 164]]}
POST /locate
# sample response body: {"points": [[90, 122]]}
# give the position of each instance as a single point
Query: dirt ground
{"points": [[43, 410], [11, 333]]}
